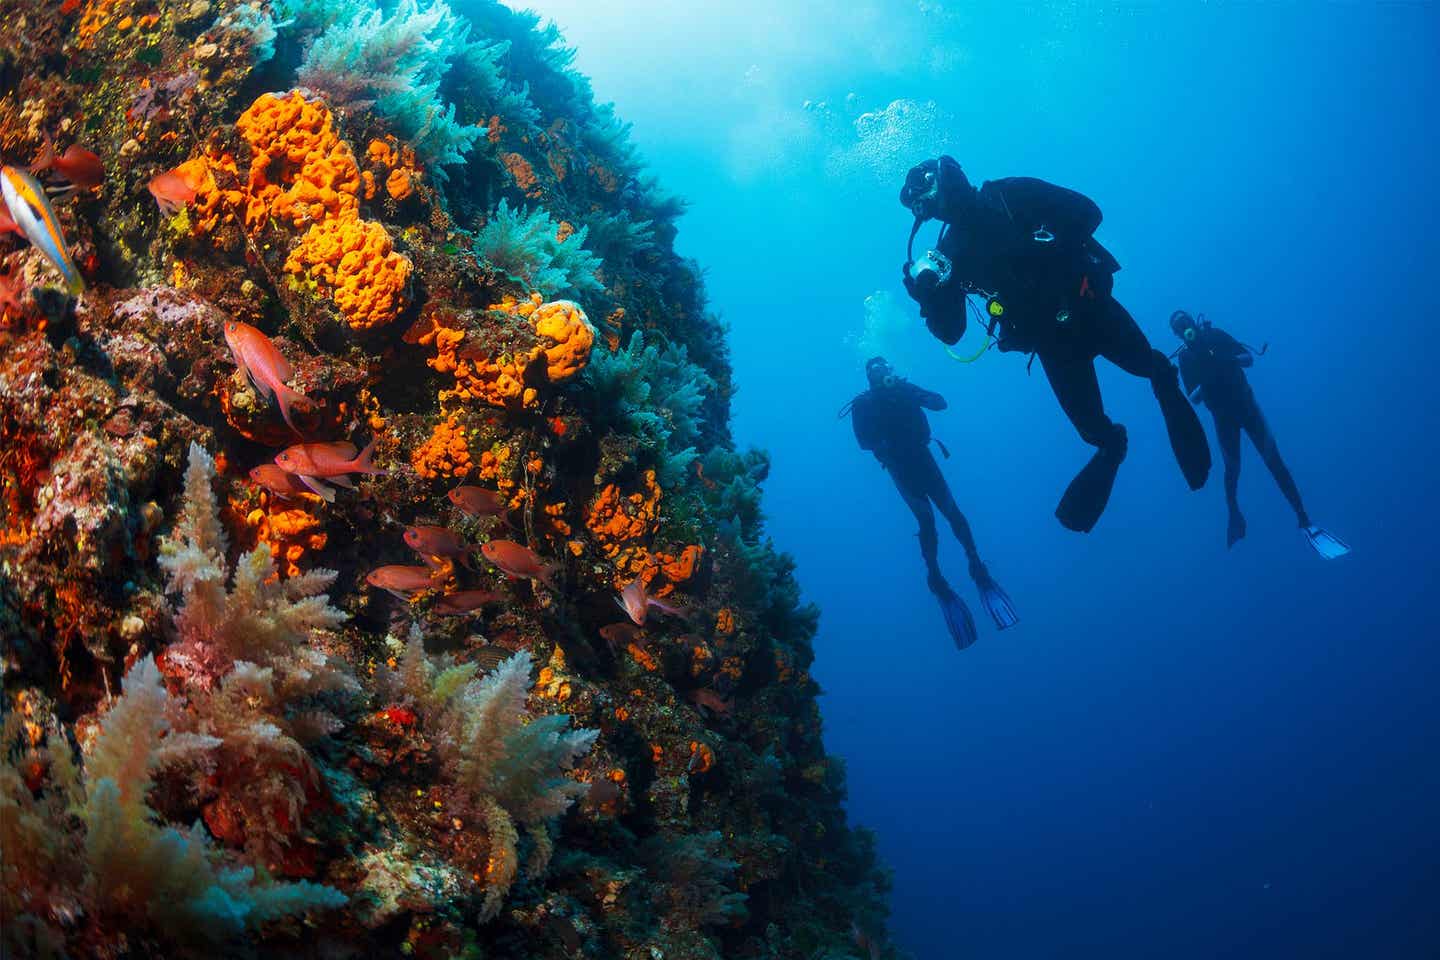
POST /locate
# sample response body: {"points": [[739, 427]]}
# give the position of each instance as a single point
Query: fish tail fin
{"points": [[289, 401], [664, 607], [547, 574], [74, 283], [364, 461]]}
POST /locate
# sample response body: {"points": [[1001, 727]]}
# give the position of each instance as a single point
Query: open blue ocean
{"points": [[1182, 751]]}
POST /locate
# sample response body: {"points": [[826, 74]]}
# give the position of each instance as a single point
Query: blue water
{"points": [[1182, 751]]}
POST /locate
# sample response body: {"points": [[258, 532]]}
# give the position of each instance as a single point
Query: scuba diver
{"points": [[1212, 365], [1026, 248], [889, 420]]}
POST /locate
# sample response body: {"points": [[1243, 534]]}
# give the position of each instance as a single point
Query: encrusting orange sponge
{"points": [[565, 338], [354, 259], [565, 324], [445, 454], [623, 525], [302, 175], [293, 140], [616, 518]]}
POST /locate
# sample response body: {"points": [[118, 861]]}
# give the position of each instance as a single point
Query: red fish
{"points": [[267, 369], [78, 166], [636, 602], [431, 541], [283, 485], [173, 189], [314, 462], [401, 580], [478, 502], [622, 634], [515, 560], [7, 225], [711, 701], [465, 601]]}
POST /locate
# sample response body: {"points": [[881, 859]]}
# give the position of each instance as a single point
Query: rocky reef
{"points": [[524, 676]]}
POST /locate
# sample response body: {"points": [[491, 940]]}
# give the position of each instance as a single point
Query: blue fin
{"points": [[997, 603], [1326, 543], [957, 618]]}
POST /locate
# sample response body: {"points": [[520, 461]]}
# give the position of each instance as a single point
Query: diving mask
{"points": [[922, 189], [1184, 326]]}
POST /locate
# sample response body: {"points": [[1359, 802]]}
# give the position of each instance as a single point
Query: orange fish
{"points": [[636, 602], [432, 541], [465, 601], [477, 501], [283, 485], [266, 367], [173, 189], [402, 580], [313, 463], [77, 166], [515, 560]]}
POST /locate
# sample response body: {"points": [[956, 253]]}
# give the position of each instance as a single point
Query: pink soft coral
{"points": [[249, 647]]}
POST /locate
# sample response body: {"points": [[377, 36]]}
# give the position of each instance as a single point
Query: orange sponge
{"points": [[354, 260]]}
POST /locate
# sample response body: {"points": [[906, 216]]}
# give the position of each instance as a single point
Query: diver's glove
{"points": [[909, 282], [944, 314]]}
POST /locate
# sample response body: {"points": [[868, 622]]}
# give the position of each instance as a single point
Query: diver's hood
{"points": [[937, 189]]}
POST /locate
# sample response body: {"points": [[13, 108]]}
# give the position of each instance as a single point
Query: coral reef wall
{"points": [[377, 572]]}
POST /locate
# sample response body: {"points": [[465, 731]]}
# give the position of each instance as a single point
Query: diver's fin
{"points": [[997, 603], [1235, 529], [957, 618], [1187, 435], [1085, 499], [1325, 543]]}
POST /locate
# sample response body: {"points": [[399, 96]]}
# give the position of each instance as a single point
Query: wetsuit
{"points": [[1030, 244], [891, 423], [1214, 364]]}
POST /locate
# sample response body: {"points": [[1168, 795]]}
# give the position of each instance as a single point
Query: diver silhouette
{"points": [[1027, 248], [889, 421], [1212, 365]]}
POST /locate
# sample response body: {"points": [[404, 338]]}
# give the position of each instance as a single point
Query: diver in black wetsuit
{"points": [[1026, 247], [1212, 365], [889, 420]]}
